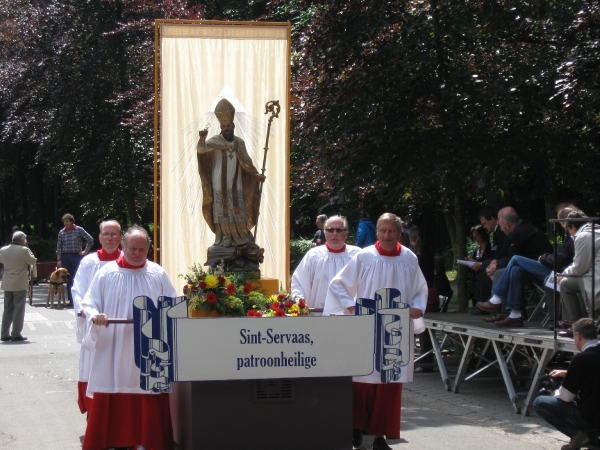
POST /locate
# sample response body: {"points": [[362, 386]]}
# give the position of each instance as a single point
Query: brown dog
{"points": [[58, 278]]}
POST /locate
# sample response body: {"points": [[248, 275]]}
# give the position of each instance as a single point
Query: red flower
{"points": [[221, 280], [282, 296], [279, 312], [247, 288], [202, 285], [185, 290], [288, 303], [275, 305], [257, 314], [193, 288], [302, 303], [211, 298], [251, 313], [230, 289]]}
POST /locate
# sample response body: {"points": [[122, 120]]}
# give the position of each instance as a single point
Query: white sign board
{"points": [[169, 346]]}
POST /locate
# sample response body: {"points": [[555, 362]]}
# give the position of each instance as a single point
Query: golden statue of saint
{"points": [[230, 183]]}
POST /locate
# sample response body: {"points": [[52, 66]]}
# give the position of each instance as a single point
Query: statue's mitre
{"points": [[224, 111]]}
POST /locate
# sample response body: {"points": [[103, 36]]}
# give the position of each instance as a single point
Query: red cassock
{"points": [[128, 420], [376, 408]]}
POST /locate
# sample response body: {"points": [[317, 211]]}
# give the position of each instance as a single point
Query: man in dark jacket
{"points": [[526, 246], [488, 217], [523, 239]]}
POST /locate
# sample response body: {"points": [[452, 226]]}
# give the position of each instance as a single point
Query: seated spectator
{"points": [[576, 291], [509, 288], [489, 221], [580, 420], [523, 239], [319, 238], [481, 253], [366, 234]]}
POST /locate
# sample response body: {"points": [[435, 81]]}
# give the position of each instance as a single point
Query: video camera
{"points": [[548, 384]]}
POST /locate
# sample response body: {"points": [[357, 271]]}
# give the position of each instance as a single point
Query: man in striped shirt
{"points": [[68, 248]]}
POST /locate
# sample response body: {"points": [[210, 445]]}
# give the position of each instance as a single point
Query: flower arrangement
{"points": [[278, 305], [217, 292]]}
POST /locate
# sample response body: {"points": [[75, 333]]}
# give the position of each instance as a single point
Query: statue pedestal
{"points": [[268, 286]]}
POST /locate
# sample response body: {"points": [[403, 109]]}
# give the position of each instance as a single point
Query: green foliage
{"points": [[298, 248]]}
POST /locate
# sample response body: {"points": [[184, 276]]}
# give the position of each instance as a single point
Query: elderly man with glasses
{"points": [[320, 264], [110, 238]]}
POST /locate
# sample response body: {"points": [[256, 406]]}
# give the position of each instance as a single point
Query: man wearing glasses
{"points": [[110, 238], [320, 264]]}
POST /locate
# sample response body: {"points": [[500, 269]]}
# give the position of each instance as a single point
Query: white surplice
{"points": [[316, 270], [369, 271], [88, 267], [112, 292]]}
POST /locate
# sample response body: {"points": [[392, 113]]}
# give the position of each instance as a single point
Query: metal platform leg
{"points": [[506, 375], [464, 361], [547, 355], [438, 356]]}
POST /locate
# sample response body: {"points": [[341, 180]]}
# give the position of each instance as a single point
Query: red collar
{"points": [[104, 256], [341, 250], [121, 262], [384, 252], [70, 229]]}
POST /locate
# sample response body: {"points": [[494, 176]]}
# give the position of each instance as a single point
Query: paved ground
{"points": [[38, 382]]}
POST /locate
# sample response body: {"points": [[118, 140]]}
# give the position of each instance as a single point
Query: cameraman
{"points": [[574, 409]]}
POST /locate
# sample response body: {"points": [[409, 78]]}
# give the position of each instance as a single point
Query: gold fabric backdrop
{"points": [[199, 64]]}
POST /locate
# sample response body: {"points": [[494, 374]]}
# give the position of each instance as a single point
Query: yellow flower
{"points": [[273, 298], [294, 309], [211, 281]]}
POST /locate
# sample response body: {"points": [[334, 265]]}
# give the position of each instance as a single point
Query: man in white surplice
{"points": [[230, 182], [320, 264], [110, 238], [386, 264], [122, 414]]}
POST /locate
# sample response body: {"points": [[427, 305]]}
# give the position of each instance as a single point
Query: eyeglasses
{"points": [[335, 230], [110, 235]]}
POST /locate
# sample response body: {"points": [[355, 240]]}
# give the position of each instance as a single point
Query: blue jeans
{"points": [[71, 263], [564, 416], [518, 270]]}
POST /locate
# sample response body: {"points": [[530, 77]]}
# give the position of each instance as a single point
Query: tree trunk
{"points": [[461, 251]]}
